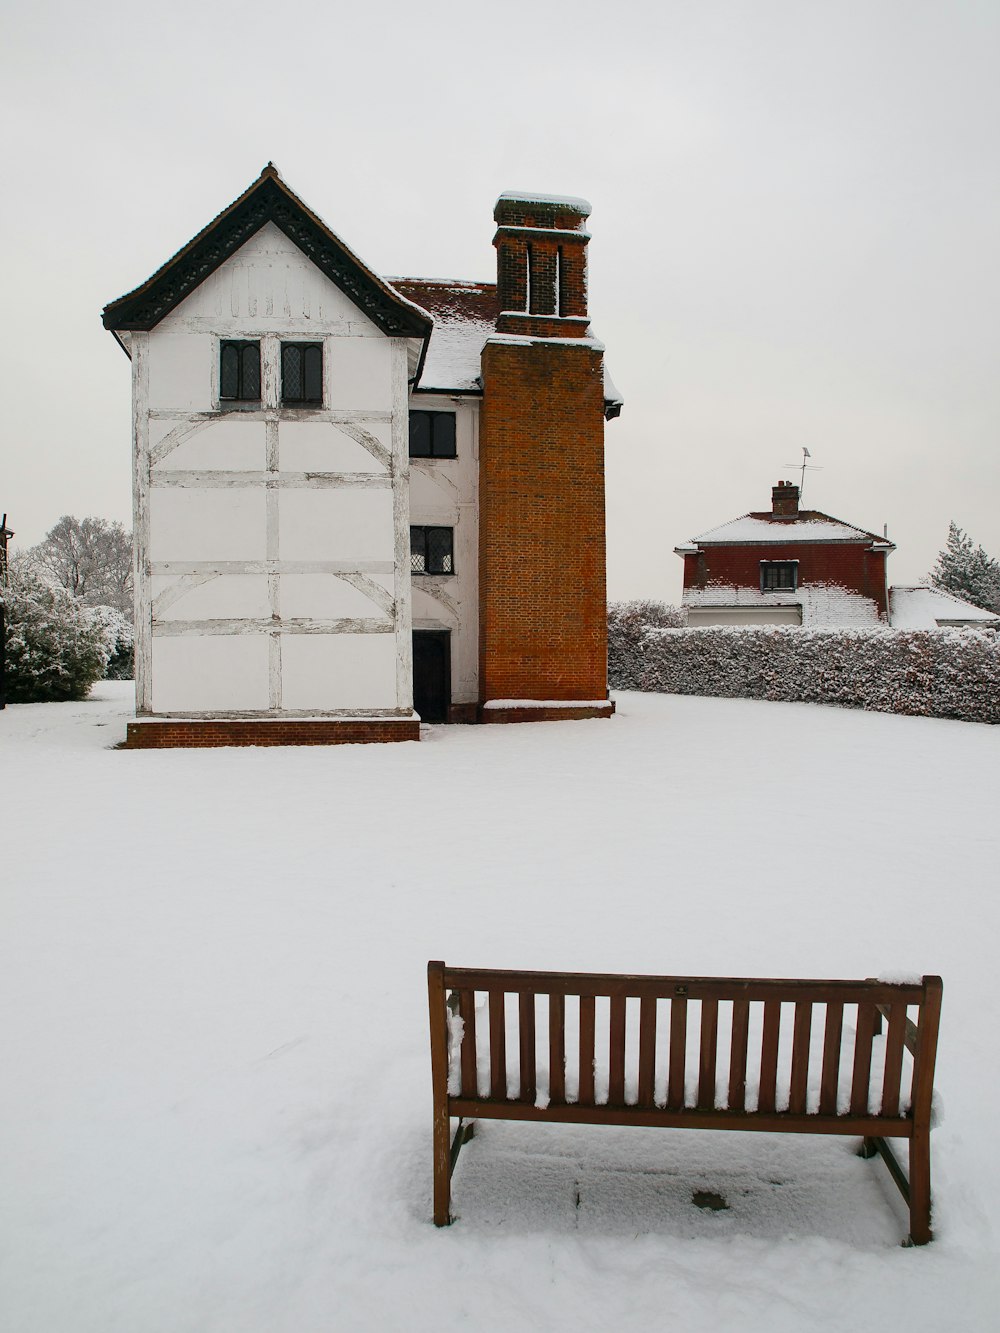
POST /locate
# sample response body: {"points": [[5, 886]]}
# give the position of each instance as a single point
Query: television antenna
{"points": [[803, 467]]}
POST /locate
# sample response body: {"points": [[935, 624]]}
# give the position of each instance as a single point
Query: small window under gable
{"points": [[239, 372], [302, 373], [779, 575]]}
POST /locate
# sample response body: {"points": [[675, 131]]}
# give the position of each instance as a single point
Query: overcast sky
{"points": [[795, 226]]}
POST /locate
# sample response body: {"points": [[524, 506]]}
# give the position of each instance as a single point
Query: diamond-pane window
{"points": [[302, 372], [432, 551], [239, 372], [432, 435]]}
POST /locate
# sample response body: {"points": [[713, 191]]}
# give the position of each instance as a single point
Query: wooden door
{"points": [[432, 674]]}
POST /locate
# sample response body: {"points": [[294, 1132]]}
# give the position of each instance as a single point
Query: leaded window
{"points": [[239, 372], [432, 551], [779, 575], [302, 372], [432, 435]]}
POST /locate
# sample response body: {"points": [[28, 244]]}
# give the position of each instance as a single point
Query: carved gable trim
{"points": [[267, 200]]}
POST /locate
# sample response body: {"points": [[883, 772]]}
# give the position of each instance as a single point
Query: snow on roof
{"points": [[465, 315], [924, 607], [533, 197], [810, 526]]}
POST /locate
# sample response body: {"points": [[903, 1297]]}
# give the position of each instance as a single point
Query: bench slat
{"points": [[694, 988], [647, 1049], [769, 1055], [557, 1050], [893, 1059], [587, 1025], [799, 1084], [830, 1076], [526, 1043], [498, 1045], [616, 1054], [708, 1055], [861, 1077], [467, 1013], [738, 1055], [678, 1053]]}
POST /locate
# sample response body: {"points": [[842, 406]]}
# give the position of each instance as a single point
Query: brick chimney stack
{"points": [[541, 243], [785, 500], [542, 597]]}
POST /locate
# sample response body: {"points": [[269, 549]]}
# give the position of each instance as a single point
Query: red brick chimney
{"points": [[785, 500], [543, 602], [541, 243]]}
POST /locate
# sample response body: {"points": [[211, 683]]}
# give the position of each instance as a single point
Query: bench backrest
{"points": [[642, 1049]]}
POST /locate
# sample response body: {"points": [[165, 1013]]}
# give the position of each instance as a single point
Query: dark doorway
{"points": [[431, 674]]}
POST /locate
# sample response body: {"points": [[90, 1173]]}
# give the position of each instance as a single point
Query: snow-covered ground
{"points": [[215, 1076]]}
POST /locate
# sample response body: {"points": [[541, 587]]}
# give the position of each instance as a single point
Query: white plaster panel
{"points": [[430, 612], [324, 597], [269, 285], [224, 597], [188, 523], [332, 671], [210, 673], [318, 446], [229, 444], [436, 490], [336, 524], [180, 369], [360, 374]]}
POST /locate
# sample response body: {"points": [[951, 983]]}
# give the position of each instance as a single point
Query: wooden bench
{"points": [[802, 1057]]}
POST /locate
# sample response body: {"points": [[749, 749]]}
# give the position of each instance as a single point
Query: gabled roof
{"points": [[267, 200], [810, 525]]}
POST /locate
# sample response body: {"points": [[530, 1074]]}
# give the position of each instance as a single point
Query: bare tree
{"points": [[91, 558]]}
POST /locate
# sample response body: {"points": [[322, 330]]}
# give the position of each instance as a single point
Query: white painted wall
{"points": [[444, 492], [273, 543]]}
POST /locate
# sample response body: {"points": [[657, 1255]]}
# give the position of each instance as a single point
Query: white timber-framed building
{"points": [[306, 491]]}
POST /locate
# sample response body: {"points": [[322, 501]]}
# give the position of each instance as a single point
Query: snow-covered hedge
{"points": [[56, 647], [928, 673]]}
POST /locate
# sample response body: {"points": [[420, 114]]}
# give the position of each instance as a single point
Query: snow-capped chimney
{"points": [[785, 500], [541, 243]]}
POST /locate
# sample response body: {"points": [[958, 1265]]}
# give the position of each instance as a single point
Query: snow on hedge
{"points": [[927, 673]]}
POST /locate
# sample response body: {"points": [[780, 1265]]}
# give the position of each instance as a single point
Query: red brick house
{"points": [[356, 499], [786, 566]]}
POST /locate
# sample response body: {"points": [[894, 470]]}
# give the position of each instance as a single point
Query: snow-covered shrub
{"points": [[627, 626], [118, 639], [56, 647], [930, 673]]}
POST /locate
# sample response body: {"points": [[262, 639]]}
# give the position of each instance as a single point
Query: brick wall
{"points": [[543, 613], [186, 733]]}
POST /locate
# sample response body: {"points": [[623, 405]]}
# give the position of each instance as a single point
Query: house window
{"points": [[239, 372], [431, 551], [302, 373], [779, 575], [432, 435]]}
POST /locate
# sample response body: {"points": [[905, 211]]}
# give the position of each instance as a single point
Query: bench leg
{"points": [[920, 1188], [442, 1170]]}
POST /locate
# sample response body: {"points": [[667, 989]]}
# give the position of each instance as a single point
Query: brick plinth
{"points": [[181, 733], [580, 714], [543, 613]]}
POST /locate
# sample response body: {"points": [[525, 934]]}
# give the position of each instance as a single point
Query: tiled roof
{"points": [[465, 314]]}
